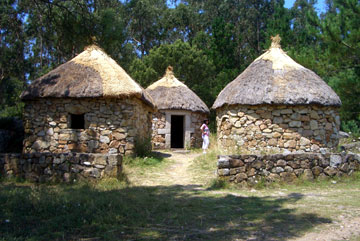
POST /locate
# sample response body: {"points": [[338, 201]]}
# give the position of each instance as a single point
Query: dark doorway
{"points": [[177, 131]]}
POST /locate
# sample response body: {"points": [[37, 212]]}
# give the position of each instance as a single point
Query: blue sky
{"points": [[320, 6]]}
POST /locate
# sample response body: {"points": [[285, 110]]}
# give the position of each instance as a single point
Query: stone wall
{"points": [[161, 125], [111, 125], [251, 168], [276, 128], [64, 167]]}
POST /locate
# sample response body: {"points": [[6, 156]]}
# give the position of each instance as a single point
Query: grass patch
{"points": [[108, 211], [218, 183], [152, 159]]}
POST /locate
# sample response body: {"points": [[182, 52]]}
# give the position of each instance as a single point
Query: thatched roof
{"points": [[170, 93], [275, 78], [90, 74]]}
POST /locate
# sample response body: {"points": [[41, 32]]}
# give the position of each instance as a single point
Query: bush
{"points": [[352, 127], [218, 183], [142, 147]]}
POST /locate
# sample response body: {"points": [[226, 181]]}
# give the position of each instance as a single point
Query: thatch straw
{"points": [[170, 93], [90, 74], [275, 78]]}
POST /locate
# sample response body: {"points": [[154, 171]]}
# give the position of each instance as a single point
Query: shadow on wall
{"points": [[141, 213]]}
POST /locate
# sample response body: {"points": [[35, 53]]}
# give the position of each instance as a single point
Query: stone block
{"points": [[240, 177], [224, 172], [272, 142], [286, 111], [223, 161], [258, 164], [290, 144], [278, 120], [314, 125], [308, 175], [281, 163], [288, 176], [295, 123], [251, 172], [235, 163], [314, 115], [335, 160], [317, 170], [304, 141], [330, 171], [272, 177], [277, 170]]}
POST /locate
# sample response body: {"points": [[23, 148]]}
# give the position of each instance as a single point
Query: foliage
{"points": [[208, 42], [152, 160], [352, 127], [142, 147], [190, 64], [219, 183]]}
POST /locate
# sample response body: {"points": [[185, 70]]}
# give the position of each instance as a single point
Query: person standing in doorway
{"points": [[205, 135]]}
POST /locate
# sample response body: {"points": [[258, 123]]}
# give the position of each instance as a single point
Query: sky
{"points": [[320, 6]]}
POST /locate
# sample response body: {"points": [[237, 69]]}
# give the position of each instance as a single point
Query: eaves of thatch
{"points": [[90, 74], [169, 93], [275, 78]]}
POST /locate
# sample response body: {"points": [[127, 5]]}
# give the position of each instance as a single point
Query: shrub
{"points": [[218, 183], [142, 147], [352, 127]]}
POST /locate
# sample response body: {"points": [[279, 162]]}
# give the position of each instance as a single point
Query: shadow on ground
{"points": [[146, 213]]}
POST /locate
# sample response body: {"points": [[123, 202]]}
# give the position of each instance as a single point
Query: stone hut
{"points": [[180, 113], [277, 104], [89, 105]]}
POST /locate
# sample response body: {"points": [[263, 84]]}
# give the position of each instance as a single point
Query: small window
{"points": [[77, 121]]}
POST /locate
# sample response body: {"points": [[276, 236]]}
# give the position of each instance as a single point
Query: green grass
{"points": [[32, 212], [153, 159], [111, 210]]}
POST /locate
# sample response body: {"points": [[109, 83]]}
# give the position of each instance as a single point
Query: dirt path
{"points": [[175, 173]]}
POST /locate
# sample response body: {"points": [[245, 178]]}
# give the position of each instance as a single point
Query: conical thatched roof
{"points": [[170, 93], [90, 74], [275, 78]]}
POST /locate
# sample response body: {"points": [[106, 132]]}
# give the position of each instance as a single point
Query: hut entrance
{"points": [[177, 131]]}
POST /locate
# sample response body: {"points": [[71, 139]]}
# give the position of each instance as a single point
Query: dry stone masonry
{"points": [[249, 169], [278, 127], [62, 167], [161, 126], [111, 125]]}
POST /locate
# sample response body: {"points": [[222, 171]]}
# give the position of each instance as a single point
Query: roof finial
{"points": [[169, 70], [275, 41]]}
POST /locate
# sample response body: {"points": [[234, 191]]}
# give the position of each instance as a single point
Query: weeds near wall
{"points": [[143, 147]]}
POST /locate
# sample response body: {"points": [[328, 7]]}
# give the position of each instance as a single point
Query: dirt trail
{"points": [[177, 173]]}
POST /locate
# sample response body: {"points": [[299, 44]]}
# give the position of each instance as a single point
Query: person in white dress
{"points": [[205, 135]]}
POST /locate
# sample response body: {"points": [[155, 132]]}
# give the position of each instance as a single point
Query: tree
{"points": [[191, 66], [342, 35], [12, 63]]}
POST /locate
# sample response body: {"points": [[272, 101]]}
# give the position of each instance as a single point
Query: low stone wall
{"points": [[65, 167], [251, 168]]}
